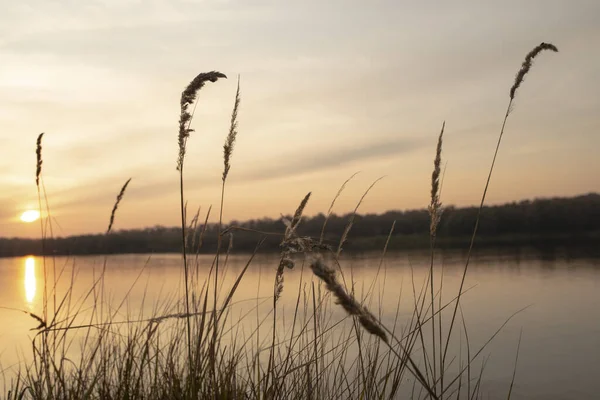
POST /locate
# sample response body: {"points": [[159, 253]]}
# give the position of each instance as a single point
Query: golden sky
{"points": [[328, 88]]}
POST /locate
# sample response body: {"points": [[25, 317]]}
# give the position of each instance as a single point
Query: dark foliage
{"points": [[568, 222]]}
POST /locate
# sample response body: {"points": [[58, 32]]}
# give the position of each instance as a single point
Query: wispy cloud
{"points": [[310, 160], [287, 166]]}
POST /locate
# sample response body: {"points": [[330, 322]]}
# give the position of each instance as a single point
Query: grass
{"points": [[331, 346]]}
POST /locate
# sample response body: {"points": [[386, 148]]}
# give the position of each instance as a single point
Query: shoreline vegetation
{"points": [[195, 347], [572, 223]]}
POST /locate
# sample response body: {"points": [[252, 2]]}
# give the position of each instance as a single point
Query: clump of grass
{"points": [[144, 358]]}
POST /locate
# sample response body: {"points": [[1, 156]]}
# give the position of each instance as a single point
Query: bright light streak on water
{"points": [[30, 280]]}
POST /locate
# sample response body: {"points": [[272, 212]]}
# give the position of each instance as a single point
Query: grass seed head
{"points": [[527, 65]]}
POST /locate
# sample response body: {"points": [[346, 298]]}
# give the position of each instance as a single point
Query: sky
{"points": [[329, 88]]}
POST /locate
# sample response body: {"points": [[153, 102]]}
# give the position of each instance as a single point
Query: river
{"points": [[559, 356]]}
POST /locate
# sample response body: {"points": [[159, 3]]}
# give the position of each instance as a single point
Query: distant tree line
{"points": [[566, 222]]}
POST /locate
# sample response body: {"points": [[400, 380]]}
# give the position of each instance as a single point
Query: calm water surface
{"points": [[560, 349]]}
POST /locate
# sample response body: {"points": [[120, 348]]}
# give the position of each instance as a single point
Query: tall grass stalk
{"points": [[227, 153], [289, 245], [520, 76], [188, 96], [435, 211], [44, 320]]}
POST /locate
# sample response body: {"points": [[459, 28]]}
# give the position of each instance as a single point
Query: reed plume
{"points": [[291, 244], [298, 215], [187, 98], [230, 141], [38, 153], [116, 206], [435, 207], [527, 65], [347, 301], [283, 262]]}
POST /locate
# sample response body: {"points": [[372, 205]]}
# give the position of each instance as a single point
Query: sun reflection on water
{"points": [[30, 280]]}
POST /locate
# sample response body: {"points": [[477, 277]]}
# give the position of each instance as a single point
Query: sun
{"points": [[30, 216]]}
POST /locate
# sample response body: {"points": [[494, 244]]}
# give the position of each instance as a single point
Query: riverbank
{"points": [[570, 223]]}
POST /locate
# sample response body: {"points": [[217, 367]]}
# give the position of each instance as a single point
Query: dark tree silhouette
{"points": [[567, 222]]}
